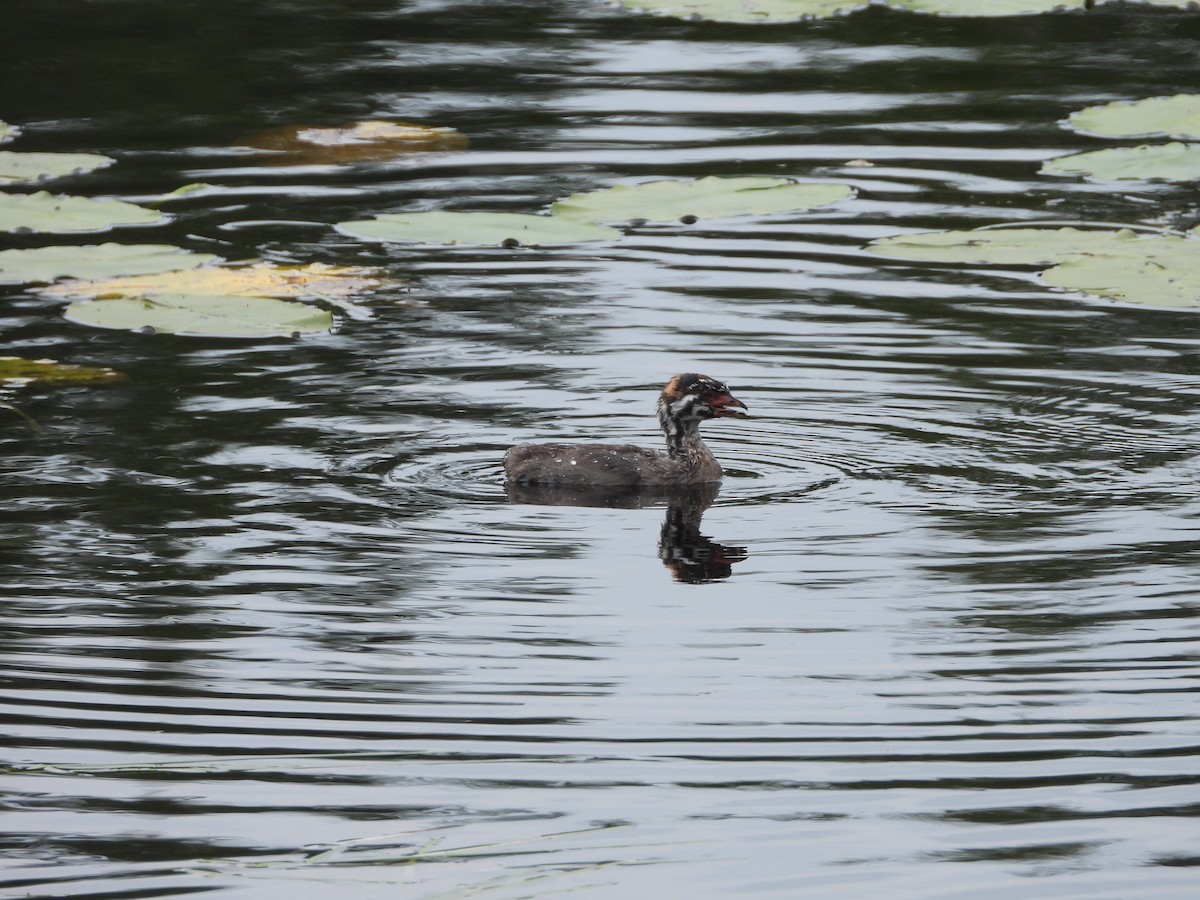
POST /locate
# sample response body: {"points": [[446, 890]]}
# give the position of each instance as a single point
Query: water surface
{"points": [[272, 625]]}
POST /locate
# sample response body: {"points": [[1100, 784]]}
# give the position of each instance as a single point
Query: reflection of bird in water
{"points": [[690, 556], [686, 401]]}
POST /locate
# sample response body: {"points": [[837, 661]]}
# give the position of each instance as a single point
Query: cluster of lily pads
{"points": [[154, 288], [164, 289], [1119, 264], [160, 288], [589, 216], [767, 11]]}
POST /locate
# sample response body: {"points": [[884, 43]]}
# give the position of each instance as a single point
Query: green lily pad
{"points": [[25, 167], [8, 132], [203, 315], [16, 371], [1164, 272], [187, 190], [1173, 117], [705, 198], [974, 9], [46, 264], [1147, 162], [46, 212], [444, 227], [1005, 246]]}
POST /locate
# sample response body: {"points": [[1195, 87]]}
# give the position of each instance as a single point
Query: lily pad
{"points": [[24, 167], [203, 315], [1174, 117], [16, 371], [1148, 162], [8, 132], [705, 198], [358, 142], [46, 212], [975, 9], [485, 228], [257, 280], [46, 264], [1164, 272], [1005, 246], [746, 10]]}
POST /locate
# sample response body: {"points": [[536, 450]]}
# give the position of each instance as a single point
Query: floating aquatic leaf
{"points": [[705, 198], [973, 8], [361, 141], [1147, 162], [260, 279], [46, 264], [1153, 270], [1165, 271], [8, 132], [25, 167], [16, 371], [202, 315], [64, 214], [1003, 246], [443, 227], [747, 10], [1174, 117]]}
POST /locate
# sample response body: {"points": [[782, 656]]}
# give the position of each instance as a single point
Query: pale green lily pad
{"points": [[1148, 162], [705, 198], [1173, 117], [45, 264], [1121, 265], [1164, 272], [16, 371], [746, 10], [196, 187], [975, 9], [444, 227], [25, 167], [1005, 246], [203, 315], [46, 212], [8, 132]]}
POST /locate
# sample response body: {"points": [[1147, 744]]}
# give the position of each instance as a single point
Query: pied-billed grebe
{"points": [[686, 401]]}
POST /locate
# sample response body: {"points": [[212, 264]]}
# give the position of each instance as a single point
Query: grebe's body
{"points": [[686, 401]]}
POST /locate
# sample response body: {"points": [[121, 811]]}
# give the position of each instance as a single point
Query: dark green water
{"points": [[271, 627]]}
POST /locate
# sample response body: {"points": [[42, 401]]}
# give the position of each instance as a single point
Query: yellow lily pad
{"points": [[357, 142], [16, 371], [260, 279]]}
